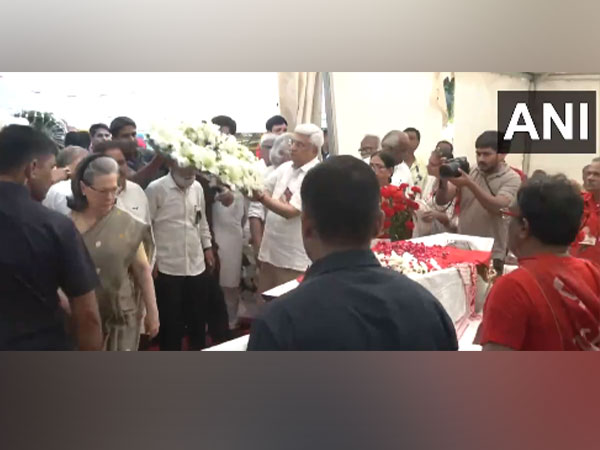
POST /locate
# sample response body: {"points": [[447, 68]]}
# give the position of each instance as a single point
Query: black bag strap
{"points": [[488, 186]]}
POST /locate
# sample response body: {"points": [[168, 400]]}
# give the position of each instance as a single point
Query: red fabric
{"points": [[455, 256], [566, 316], [590, 228]]}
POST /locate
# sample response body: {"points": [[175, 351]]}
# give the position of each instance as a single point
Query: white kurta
{"points": [[229, 235]]}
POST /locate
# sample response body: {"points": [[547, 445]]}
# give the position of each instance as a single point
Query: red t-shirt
{"points": [[587, 243], [566, 316]]}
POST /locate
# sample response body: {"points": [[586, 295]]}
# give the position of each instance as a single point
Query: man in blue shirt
{"points": [[347, 300]]}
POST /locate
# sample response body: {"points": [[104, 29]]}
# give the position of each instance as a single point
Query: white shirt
{"points": [[402, 175], [133, 200], [180, 227], [56, 198], [282, 244]]}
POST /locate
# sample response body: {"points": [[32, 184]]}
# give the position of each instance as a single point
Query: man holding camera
{"points": [[482, 193]]}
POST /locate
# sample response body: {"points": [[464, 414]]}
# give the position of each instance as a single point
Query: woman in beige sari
{"points": [[114, 239]]}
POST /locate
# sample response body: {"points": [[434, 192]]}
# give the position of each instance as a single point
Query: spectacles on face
{"points": [[106, 192], [377, 167]]}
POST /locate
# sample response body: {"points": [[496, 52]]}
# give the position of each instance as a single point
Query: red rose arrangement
{"points": [[398, 203]]}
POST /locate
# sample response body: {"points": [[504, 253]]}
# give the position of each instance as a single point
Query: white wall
{"points": [[88, 97], [476, 109], [569, 164], [375, 103]]}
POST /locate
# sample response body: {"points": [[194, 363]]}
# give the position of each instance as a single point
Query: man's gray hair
{"points": [[69, 154], [281, 150], [268, 139], [313, 132]]}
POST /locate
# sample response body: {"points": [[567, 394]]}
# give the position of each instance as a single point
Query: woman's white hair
{"points": [[313, 132]]}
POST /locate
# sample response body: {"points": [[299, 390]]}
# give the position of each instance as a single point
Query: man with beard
{"points": [[488, 188]]}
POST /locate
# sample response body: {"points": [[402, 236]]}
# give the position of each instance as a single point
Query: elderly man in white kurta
{"points": [[282, 256]]}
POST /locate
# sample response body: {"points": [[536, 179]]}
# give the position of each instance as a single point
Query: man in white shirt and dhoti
{"points": [[282, 256]]}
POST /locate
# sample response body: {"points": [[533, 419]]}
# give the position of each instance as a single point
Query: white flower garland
{"points": [[208, 150]]}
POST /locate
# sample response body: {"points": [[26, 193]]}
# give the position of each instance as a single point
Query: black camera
{"points": [[450, 168]]}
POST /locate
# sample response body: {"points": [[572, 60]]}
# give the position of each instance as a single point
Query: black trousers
{"points": [[182, 307], [216, 313], [498, 265]]}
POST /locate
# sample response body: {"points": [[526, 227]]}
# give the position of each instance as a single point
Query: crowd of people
{"points": [[110, 247]]}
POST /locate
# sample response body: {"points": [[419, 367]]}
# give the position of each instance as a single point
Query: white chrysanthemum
{"points": [[181, 160]]}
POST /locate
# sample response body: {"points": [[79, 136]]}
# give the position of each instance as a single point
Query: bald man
{"points": [[368, 146], [397, 144]]}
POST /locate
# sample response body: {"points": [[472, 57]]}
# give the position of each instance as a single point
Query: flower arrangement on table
{"points": [[409, 257], [413, 257], [211, 152], [398, 203]]}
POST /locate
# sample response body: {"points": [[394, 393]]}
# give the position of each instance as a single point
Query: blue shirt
{"points": [[348, 301], [40, 252]]}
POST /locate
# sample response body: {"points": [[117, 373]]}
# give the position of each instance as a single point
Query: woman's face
{"points": [[383, 174], [102, 194]]}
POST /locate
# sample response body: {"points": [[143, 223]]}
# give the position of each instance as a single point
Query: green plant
{"points": [[45, 122]]}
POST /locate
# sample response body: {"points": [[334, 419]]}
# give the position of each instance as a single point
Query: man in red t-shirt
{"points": [[587, 244], [552, 301]]}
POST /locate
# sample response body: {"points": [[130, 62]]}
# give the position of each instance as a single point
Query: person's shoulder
{"points": [[59, 188], [156, 184], [284, 305], [134, 187], [579, 264], [517, 283], [512, 175], [283, 168], [56, 220], [120, 211], [507, 173]]}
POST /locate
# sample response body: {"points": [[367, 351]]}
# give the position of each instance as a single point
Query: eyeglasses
{"points": [[377, 166], [108, 192]]}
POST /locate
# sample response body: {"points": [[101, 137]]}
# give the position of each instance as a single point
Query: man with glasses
{"points": [[368, 147], [552, 301], [282, 255], [489, 186]]}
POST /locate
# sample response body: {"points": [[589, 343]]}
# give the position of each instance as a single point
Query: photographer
{"points": [[489, 187], [432, 218]]}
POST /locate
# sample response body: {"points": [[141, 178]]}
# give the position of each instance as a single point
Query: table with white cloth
{"points": [[456, 288]]}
